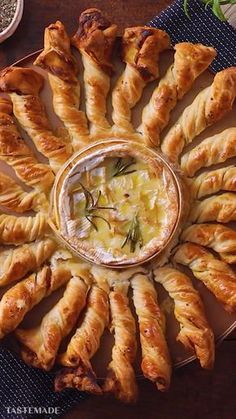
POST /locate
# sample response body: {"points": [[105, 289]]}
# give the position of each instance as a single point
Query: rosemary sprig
{"points": [[134, 235], [92, 205], [121, 168], [215, 5]]}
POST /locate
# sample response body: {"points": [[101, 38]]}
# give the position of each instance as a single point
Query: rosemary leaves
{"points": [[215, 6], [7, 13], [122, 167], [134, 235], [92, 205]]}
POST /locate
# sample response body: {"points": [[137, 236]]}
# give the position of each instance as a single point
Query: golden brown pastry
{"points": [[57, 59], [95, 40], [217, 276], [15, 263], [14, 198], [84, 344], [210, 105], [208, 183], [23, 296], [213, 150], [5, 105], [190, 60], [40, 344], [221, 208], [20, 230], [195, 332], [216, 236], [156, 363], [121, 377], [23, 86], [15, 152], [141, 47]]}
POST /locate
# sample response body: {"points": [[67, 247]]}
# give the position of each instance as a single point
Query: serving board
{"points": [[221, 322]]}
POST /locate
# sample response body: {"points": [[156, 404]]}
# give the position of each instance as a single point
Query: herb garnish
{"points": [[121, 167], [134, 235], [92, 205], [215, 5]]}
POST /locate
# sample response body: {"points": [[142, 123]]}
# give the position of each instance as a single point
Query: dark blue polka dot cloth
{"points": [[23, 388], [27, 392], [203, 27]]}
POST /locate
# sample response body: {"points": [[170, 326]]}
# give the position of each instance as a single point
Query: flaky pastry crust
{"points": [[213, 150], [14, 198], [217, 276], [210, 105], [16, 263], [221, 208], [57, 59], [156, 364], [218, 237], [195, 332], [120, 379], [190, 60], [40, 345], [15, 152], [84, 344], [20, 230], [30, 112], [95, 39], [23, 296], [141, 47], [208, 183]]}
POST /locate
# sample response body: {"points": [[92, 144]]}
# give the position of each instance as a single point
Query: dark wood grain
{"points": [[194, 393]]}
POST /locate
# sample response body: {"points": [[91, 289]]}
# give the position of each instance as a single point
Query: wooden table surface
{"points": [[194, 393]]}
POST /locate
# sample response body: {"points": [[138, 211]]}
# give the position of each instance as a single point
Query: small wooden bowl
{"points": [[14, 23]]}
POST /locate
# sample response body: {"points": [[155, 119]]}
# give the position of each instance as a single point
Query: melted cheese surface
{"points": [[120, 216]]}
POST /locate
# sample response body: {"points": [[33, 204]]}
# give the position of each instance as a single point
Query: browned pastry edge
{"points": [[217, 275], [56, 56], [20, 230], [195, 333], [156, 363], [218, 237], [141, 46], [120, 379], [95, 36], [23, 81]]}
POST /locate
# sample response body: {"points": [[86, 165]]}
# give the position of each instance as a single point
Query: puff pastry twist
{"points": [[57, 59], [20, 230], [15, 152], [40, 345], [156, 364], [16, 263], [218, 237], [84, 344], [195, 332], [221, 208], [95, 40], [190, 60], [217, 276], [213, 150], [121, 377], [23, 296], [210, 105], [208, 183], [23, 86], [141, 47], [14, 198]]}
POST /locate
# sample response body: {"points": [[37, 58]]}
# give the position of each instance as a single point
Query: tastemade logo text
{"points": [[32, 409]]}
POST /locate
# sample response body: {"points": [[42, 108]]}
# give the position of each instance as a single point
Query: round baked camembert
{"points": [[116, 203]]}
